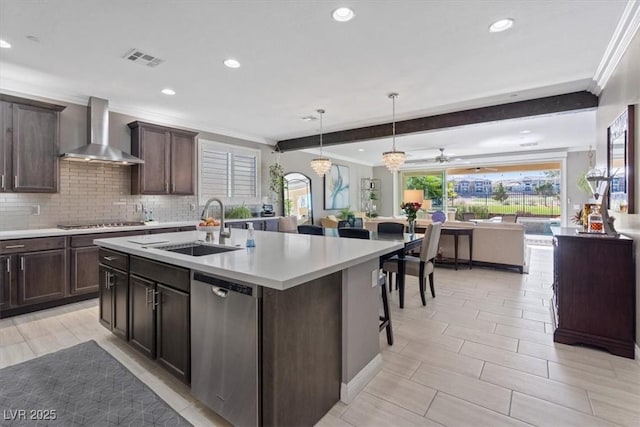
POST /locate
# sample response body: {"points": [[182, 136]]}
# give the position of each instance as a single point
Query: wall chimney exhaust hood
{"points": [[98, 149]]}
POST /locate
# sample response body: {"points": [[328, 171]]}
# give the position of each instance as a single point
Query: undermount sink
{"points": [[196, 249]]}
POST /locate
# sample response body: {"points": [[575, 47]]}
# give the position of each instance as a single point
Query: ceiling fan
{"points": [[441, 158], [480, 168]]}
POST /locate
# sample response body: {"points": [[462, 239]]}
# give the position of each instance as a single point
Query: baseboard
{"points": [[349, 391]]}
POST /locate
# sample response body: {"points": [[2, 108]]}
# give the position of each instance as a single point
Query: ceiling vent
{"points": [[137, 56]]}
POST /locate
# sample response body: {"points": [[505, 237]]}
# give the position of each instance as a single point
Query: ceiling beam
{"points": [[513, 110]]}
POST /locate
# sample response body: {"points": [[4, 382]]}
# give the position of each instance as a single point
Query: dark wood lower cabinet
{"points": [[84, 270], [173, 331], [42, 276], [142, 315], [114, 288], [159, 315], [594, 292], [7, 282]]}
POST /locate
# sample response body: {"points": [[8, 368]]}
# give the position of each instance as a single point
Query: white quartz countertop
{"points": [[279, 260], [49, 232]]}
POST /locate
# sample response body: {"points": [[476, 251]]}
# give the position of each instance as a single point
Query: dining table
{"points": [[411, 241]]}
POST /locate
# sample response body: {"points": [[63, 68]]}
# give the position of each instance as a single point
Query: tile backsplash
{"points": [[90, 193]]}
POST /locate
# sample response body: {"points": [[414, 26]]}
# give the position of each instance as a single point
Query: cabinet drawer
{"points": [[82, 240], [32, 245], [114, 259], [163, 230], [167, 274]]}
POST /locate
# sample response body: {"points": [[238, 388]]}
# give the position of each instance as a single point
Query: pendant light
{"points": [[321, 165], [394, 159]]}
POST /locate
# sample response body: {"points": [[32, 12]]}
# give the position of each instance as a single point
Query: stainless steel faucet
{"points": [[205, 214]]}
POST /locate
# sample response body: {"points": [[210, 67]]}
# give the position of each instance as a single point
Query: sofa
{"points": [[372, 223], [495, 243]]}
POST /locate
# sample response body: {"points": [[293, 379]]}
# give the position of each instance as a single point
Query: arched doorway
{"points": [[297, 197]]}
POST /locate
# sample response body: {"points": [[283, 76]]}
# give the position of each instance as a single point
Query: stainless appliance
{"points": [[225, 350], [267, 210], [105, 224], [98, 149]]}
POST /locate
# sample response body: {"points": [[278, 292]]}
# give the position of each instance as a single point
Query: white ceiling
{"points": [[295, 59]]}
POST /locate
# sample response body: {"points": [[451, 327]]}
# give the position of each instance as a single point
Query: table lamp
{"points": [[426, 205], [412, 196]]}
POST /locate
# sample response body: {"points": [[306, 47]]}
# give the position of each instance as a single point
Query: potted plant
{"points": [[276, 180]]}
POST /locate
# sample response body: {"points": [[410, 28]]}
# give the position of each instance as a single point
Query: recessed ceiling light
{"points": [[232, 63], [360, 149], [168, 91], [525, 131], [501, 25], [5, 44], [343, 14]]}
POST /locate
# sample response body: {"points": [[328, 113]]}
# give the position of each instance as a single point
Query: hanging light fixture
{"points": [[321, 165], [394, 159]]}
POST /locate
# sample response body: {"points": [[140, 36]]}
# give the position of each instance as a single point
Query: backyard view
{"points": [[524, 193]]}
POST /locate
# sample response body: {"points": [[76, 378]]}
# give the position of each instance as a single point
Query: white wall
{"points": [[298, 161]]}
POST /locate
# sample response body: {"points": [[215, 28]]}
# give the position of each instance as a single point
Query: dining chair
{"points": [[385, 320], [355, 233], [358, 223], [390, 228], [315, 230], [343, 224], [466, 216], [423, 265], [511, 218]]}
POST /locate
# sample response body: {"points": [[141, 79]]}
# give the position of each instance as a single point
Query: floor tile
{"points": [[434, 355], [399, 364], [15, 353], [451, 411], [532, 315], [520, 362], [616, 414], [533, 385], [370, 411], [512, 321], [589, 381], [466, 320], [473, 390], [10, 334], [53, 342], [401, 391], [542, 413], [481, 337], [570, 358], [496, 309], [524, 334], [39, 327]]}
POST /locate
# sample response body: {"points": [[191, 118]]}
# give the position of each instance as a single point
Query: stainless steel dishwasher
{"points": [[225, 350]]}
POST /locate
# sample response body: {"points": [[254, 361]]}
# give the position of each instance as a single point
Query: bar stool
{"points": [[385, 320]]}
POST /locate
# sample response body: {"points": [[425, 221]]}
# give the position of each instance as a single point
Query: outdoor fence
{"points": [[520, 203]]}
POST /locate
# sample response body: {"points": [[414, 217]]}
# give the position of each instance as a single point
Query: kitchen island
{"points": [[315, 301]]}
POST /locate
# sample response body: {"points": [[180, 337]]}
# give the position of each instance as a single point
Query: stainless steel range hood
{"points": [[98, 149]]}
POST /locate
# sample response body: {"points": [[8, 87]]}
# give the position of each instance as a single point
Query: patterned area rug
{"points": [[79, 386]]}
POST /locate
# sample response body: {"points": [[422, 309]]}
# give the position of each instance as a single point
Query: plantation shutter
{"points": [[215, 173], [244, 175]]}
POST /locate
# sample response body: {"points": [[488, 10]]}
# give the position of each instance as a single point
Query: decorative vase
{"points": [[412, 226]]}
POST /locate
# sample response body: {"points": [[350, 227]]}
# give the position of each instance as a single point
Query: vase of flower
{"points": [[411, 210]]}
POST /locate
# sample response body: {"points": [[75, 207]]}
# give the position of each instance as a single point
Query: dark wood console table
{"points": [[456, 233], [594, 291]]}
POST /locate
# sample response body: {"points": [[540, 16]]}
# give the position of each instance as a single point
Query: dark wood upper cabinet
{"points": [[169, 159], [29, 145], [182, 162]]}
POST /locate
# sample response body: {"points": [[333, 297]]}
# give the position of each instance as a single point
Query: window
{"points": [[228, 172]]}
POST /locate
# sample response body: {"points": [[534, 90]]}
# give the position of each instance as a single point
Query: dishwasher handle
{"points": [[222, 293]]}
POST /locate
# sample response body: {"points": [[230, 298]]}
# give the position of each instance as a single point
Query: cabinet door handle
{"points": [[3, 185], [14, 246], [173, 187], [109, 258], [15, 181], [146, 296], [106, 280], [9, 265], [155, 301], [22, 263]]}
